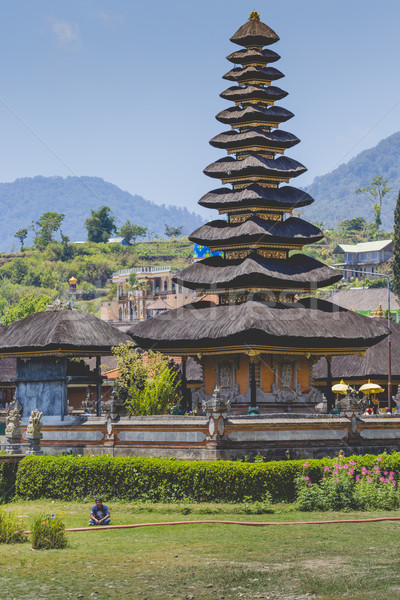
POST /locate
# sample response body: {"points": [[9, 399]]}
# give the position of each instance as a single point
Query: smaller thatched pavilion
{"points": [[356, 370], [42, 343]]}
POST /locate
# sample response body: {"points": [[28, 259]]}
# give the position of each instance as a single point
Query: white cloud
{"points": [[65, 32]]}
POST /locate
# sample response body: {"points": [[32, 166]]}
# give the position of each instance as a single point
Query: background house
{"points": [[366, 256]]}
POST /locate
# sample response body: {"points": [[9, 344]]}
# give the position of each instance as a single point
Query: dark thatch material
{"points": [[309, 325], [60, 331], [253, 93], [254, 33], [194, 371], [253, 55], [253, 73], [254, 137], [299, 272], [291, 232], [365, 299], [236, 115], [256, 195], [374, 365], [279, 168]]}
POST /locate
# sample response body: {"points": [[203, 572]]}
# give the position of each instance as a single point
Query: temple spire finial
{"points": [[254, 16]]}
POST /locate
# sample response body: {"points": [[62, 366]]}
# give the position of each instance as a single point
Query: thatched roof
{"points": [[253, 165], [291, 232], [8, 369], [299, 272], [254, 33], [252, 73], [311, 325], [374, 365], [254, 93], [58, 332], [365, 299], [254, 136], [256, 195], [158, 304], [253, 55], [269, 115]]}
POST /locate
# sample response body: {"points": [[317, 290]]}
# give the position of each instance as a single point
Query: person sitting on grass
{"points": [[100, 514]]}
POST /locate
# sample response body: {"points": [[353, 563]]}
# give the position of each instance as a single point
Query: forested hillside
{"points": [[24, 200], [334, 193]]}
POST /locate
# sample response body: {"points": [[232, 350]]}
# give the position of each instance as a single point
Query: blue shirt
{"points": [[99, 513]]}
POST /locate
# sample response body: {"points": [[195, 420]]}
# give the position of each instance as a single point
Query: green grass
{"points": [[206, 562]]}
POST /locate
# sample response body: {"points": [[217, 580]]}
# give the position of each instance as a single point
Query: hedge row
{"points": [[157, 479], [8, 473]]}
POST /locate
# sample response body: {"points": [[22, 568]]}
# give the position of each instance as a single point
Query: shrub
{"points": [[48, 532], [165, 480], [11, 530], [343, 488], [8, 472]]}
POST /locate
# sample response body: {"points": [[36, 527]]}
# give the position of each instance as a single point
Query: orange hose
{"points": [[247, 523]]}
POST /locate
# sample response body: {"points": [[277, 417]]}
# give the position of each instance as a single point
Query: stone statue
{"points": [[216, 404], [286, 375], [225, 375], [34, 426], [33, 432], [13, 423], [13, 432]]}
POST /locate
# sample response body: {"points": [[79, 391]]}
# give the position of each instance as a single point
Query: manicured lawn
{"points": [[205, 562]]}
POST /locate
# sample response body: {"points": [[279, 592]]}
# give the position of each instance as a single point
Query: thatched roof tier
{"points": [[253, 115], [308, 327], [230, 170], [254, 34], [292, 232], [256, 196], [255, 137], [252, 56], [252, 93], [60, 332], [297, 273], [253, 75], [374, 365]]}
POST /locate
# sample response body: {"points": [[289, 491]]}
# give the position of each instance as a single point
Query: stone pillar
{"points": [[33, 432], [216, 408], [98, 387], [13, 432], [330, 396]]}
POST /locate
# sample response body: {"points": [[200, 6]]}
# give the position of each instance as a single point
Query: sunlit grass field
{"points": [[205, 561]]}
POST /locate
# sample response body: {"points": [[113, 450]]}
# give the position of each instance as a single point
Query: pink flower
{"points": [[379, 458], [369, 479], [351, 472], [385, 473], [345, 466], [352, 462], [336, 480], [381, 479], [306, 464], [306, 478], [358, 478], [391, 473], [364, 470], [326, 468], [309, 484], [377, 469]]}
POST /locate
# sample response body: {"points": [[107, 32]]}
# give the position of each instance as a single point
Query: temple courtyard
{"points": [[205, 561]]}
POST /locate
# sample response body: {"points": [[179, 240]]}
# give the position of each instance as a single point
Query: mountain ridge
{"points": [[25, 199]]}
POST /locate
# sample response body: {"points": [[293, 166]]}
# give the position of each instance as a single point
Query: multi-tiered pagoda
{"points": [[257, 343]]}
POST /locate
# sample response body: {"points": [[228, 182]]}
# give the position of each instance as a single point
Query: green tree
{"points": [[356, 224], [48, 224], [147, 387], [376, 191], [100, 225], [173, 231], [21, 235], [396, 249], [26, 306], [136, 283], [130, 231]]}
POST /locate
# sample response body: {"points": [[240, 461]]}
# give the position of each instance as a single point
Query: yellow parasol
{"points": [[371, 388], [340, 388]]}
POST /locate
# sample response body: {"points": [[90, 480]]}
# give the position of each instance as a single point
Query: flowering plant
{"points": [[342, 487]]}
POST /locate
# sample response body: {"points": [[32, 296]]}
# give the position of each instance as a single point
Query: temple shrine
{"points": [[259, 340]]}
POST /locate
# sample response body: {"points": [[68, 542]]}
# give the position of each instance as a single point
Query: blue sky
{"points": [[128, 91]]}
